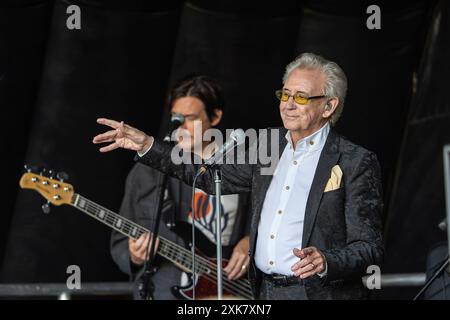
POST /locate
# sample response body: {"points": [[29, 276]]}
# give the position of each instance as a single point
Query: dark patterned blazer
{"points": [[344, 224]]}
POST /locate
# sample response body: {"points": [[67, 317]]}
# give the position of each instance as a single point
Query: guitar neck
{"points": [[166, 248]]}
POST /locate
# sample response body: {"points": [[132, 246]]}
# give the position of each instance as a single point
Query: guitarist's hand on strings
{"points": [[138, 248], [238, 264], [122, 136]]}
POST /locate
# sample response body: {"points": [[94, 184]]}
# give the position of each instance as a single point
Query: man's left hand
{"points": [[312, 261]]}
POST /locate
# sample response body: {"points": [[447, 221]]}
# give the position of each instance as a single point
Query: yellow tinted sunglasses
{"points": [[298, 97]]}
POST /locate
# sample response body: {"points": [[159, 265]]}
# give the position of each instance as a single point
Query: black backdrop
{"points": [[55, 82]]}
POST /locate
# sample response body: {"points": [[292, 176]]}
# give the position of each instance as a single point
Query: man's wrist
{"points": [[324, 272], [135, 263], [146, 148]]}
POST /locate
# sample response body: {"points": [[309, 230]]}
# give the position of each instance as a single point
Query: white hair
{"points": [[336, 81]]}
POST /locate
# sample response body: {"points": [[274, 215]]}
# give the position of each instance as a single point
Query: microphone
{"points": [[175, 121], [237, 137]]}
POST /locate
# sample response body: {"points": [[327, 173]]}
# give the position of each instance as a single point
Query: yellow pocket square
{"points": [[335, 179]]}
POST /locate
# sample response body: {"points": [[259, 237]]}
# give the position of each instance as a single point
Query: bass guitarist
{"points": [[198, 99]]}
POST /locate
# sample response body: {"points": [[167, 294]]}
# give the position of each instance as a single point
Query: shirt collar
{"points": [[312, 142]]}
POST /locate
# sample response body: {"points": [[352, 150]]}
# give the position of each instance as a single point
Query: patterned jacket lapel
{"points": [[328, 158]]}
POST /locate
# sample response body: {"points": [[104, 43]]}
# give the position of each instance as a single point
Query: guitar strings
{"points": [[129, 224], [242, 287], [237, 285], [173, 255], [230, 286]]}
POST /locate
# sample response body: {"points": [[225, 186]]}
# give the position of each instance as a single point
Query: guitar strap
{"points": [[169, 207]]}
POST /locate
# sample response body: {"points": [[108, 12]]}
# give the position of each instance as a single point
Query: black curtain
{"points": [[24, 29], [418, 202], [245, 47], [379, 65], [114, 66]]}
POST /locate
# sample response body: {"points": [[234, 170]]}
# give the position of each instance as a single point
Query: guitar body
{"points": [[204, 287]]}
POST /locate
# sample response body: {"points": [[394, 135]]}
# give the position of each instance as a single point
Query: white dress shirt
{"points": [[280, 227]]}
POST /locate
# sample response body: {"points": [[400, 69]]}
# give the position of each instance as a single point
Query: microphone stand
{"points": [[146, 286], [239, 138], [218, 184]]}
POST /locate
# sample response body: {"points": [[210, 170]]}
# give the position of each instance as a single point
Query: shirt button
{"points": [[287, 188], [280, 211], [311, 142], [295, 162], [271, 262], [272, 236]]}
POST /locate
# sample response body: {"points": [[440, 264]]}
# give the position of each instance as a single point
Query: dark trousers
{"points": [[269, 291]]}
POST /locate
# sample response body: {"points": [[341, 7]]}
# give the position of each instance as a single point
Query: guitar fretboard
{"points": [[166, 248]]}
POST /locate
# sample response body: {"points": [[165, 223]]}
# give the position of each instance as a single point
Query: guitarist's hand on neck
{"points": [[138, 248]]}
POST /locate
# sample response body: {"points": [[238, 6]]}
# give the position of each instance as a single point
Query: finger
{"points": [[308, 250], [131, 244], [320, 264], [243, 270], [241, 273], [108, 122], [144, 252], [309, 259], [110, 147], [108, 135], [140, 242], [231, 263], [143, 256], [303, 262], [147, 244], [298, 253], [307, 274], [308, 268], [133, 253], [237, 268], [317, 265], [104, 140]]}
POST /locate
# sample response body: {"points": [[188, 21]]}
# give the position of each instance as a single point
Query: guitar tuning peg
{"points": [[33, 169], [62, 176], [46, 207], [51, 172], [42, 171]]}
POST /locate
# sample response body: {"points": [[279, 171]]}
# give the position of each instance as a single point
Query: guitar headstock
{"points": [[55, 191]]}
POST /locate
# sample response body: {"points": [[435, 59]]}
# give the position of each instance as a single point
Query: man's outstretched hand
{"points": [[123, 136]]}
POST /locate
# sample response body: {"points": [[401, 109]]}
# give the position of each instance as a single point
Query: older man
{"points": [[316, 222]]}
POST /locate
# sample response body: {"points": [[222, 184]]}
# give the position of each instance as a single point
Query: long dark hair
{"points": [[202, 87]]}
